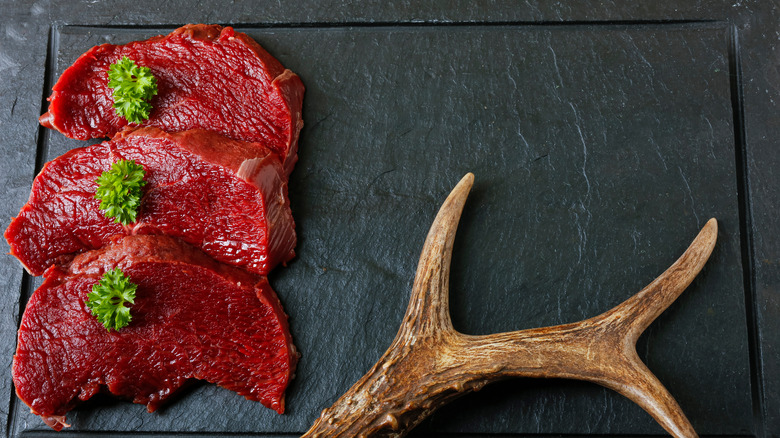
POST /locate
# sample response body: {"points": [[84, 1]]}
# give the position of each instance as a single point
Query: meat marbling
{"points": [[208, 77], [225, 196], [193, 318]]}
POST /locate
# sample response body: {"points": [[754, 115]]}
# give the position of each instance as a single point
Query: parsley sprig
{"points": [[108, 298], [119, 191], [133, 87]]}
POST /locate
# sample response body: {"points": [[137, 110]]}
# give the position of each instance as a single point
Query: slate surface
{"points": [[601, 137]]}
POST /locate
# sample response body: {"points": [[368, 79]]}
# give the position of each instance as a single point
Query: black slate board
{"points": [[599, 150]]}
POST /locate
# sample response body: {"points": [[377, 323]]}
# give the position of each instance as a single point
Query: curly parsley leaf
{"points": [[108, 298], [133, 87], [119, 191]]}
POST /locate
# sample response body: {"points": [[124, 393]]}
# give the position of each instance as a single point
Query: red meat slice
{"points": [[193, 318], [208, 77], [225, 196]]}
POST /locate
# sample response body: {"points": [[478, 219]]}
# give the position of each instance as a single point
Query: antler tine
{"points": [[381, 402], [636, 382], [639, 311], [428, 312]]}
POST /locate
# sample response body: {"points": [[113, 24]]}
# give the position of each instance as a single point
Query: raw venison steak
{"points": [[193, 318], [225, 196], [208, 77]]}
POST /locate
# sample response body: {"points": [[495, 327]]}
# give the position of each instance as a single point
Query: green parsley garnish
{"points": [[119, 191], [108, 297], [133, 87]]}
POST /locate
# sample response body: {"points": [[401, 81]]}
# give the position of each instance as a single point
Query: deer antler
{"points": [[430, 363]]}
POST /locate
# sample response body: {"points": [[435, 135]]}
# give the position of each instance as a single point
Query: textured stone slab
{"points": [[599, 151]]}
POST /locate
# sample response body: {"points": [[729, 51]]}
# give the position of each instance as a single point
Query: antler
{"points": [[430, 363]]}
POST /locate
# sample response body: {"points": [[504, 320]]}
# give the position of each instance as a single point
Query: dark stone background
{"points": [[602, 136]]}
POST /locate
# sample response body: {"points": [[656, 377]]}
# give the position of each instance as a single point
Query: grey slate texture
{"points": [[602, 136]]}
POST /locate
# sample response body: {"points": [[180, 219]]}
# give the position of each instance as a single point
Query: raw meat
{"points": [[208, 77], [193, 318], [225, 196]]}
